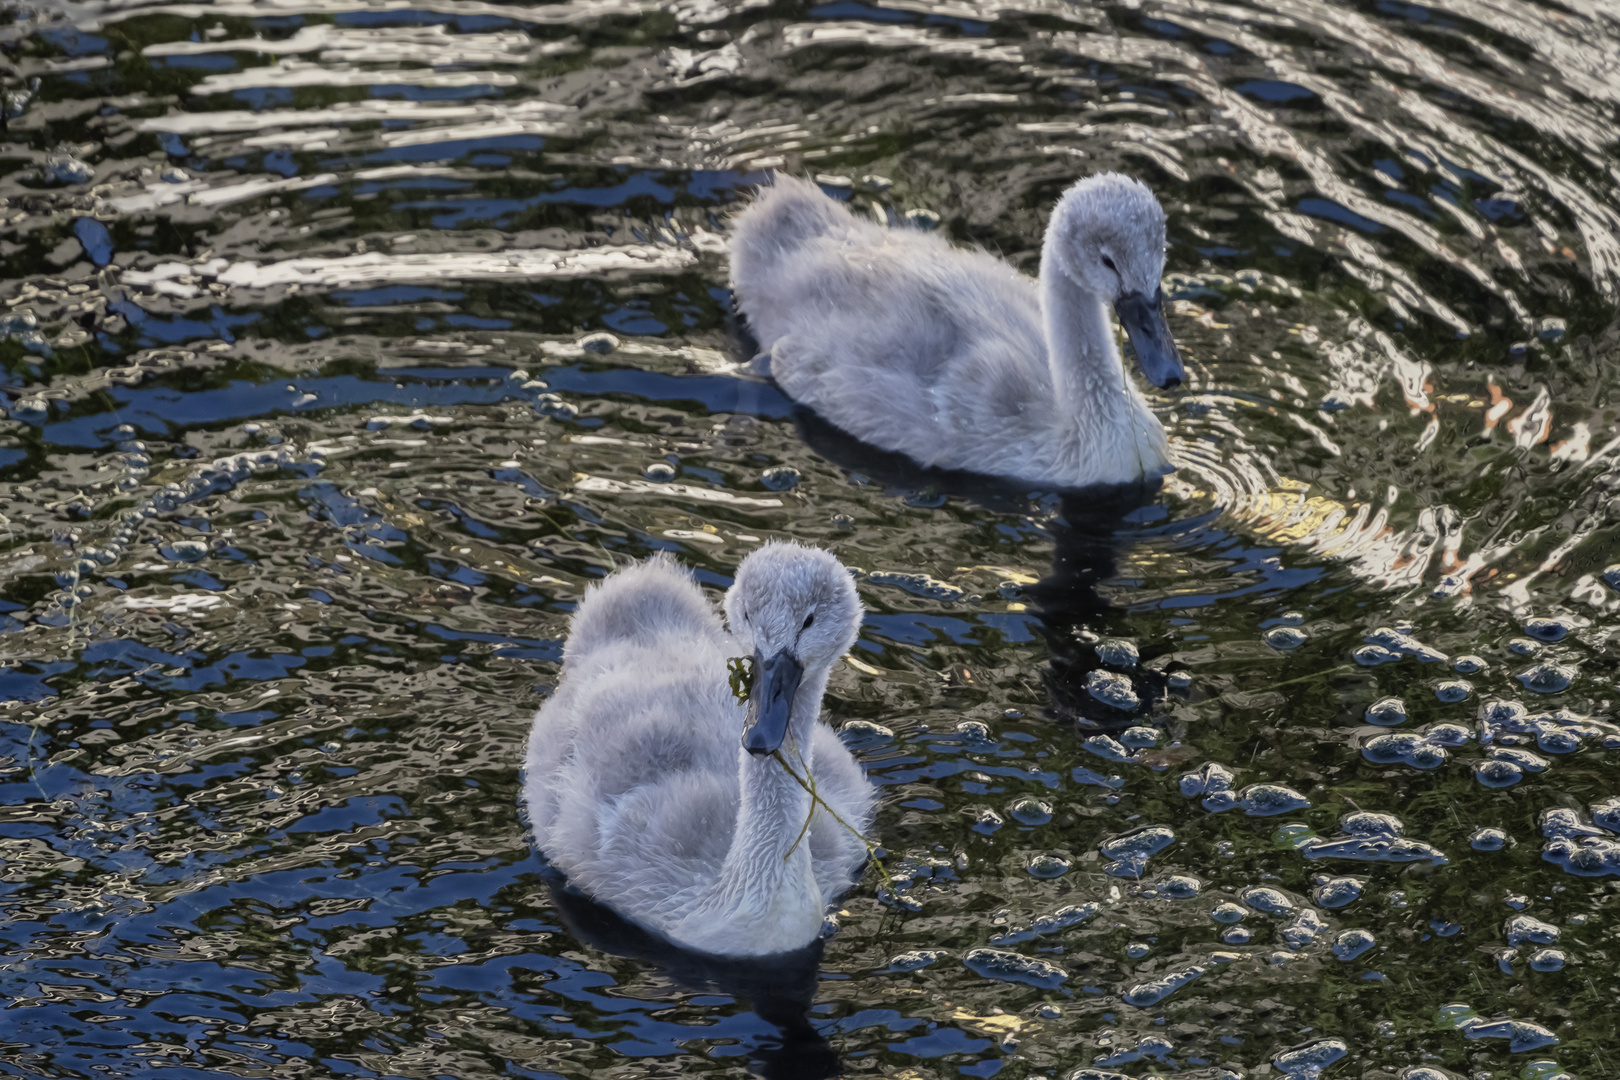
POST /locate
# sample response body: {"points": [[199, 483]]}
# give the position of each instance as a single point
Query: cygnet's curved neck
{"points": [[1088, 379], [767, 883]]}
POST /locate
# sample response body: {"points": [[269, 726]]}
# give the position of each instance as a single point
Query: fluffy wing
{"points": [[837, 853]]}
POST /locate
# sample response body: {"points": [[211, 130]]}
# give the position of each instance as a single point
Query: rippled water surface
{"points": [[346, 342]]}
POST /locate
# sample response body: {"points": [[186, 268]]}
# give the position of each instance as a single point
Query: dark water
{"points": [[312, 441]]}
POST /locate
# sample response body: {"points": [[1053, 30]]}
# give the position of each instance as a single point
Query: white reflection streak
{"points": [[293, 73], [359, 112], [433, 45], [374, 267]]}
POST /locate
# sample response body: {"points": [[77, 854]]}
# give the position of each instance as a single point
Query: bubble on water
{"points": [[1236, 935], [1387, 712], [13, 103], [66, 169], [1611, 576], [1522, 1034], [1137, 949], [1516, 901], [1302, 929], [1151, 993], [1207, 778], [975, 733], [1117, 653], [861, 735], [1285, 637], [1488, 839], [1502, 716], [987, 821], [1447, 733], [1469, 665], [1112, 689], [1411, 748], [659, 472], [1267, 900], [1338, 892], [1579, 848], [1372, 655], [1004, 966], [553, 406], [780, 478], [1452, 691], [29, 409], [1547, 678], [1426, 1072], [1524, 759], [1352, 943], [1029, 810], [1556, 740], [1307, 1060], [1130, 851], [1546, 629], [1062, 919], [1179, 887], [602, 343], [1179, 680], [1524, 646], [1547, 960], [1527, 929], [1264, 800], [1402, 643], [1139, 738], [921, 585], [915, 959], [1105, 746], [185, 551], [1497, 774], [1373, 847], [1607, 814]]}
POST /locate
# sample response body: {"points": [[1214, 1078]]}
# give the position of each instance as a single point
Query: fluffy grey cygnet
{"points": [[951, 356], [656, 792]]}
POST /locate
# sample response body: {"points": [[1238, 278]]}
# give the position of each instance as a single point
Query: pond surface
{"points": [[346, 342]]}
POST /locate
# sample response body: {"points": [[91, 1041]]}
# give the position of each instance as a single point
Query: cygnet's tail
{"points": [[642, 604], [781, 218]]}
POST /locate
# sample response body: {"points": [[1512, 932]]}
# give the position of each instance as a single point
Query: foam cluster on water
{"points": [[1213, 781], [1371, 837], [1587, 847], [201, 481]]}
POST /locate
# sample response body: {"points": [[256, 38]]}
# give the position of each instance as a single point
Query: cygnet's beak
{"points": [[1143, 319], [770, 702]]}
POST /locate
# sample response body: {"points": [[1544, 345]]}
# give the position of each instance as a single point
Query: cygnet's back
{"points": [[875, 327]]}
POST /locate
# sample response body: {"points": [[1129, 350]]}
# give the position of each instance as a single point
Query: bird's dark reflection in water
{"points": [[1089, 530], [780, 989]]}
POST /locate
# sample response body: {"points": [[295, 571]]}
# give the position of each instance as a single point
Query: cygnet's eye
{"points": [[809, 621], [1108, 262]]}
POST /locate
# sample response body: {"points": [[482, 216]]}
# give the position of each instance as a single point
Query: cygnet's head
{"points": [[1107, 235], [796, 607]]}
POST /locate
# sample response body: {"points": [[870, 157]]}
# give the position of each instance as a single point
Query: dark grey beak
{"points": [[770, 702], [1143, 319]]}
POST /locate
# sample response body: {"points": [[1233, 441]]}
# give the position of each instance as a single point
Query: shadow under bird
{"points": [[658, 794], [950, 355]]}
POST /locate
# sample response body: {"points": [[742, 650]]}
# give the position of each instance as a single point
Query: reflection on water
{"points": [[346, 342]]}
